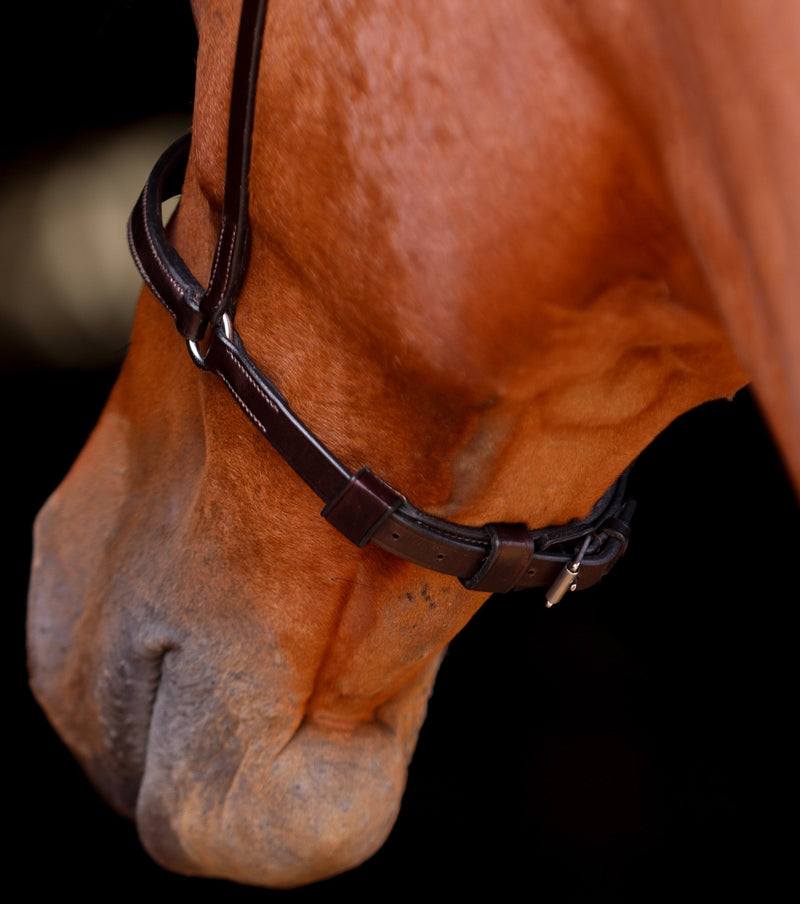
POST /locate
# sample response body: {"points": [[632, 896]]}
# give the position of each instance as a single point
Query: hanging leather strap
{"points": [[167, 276]]}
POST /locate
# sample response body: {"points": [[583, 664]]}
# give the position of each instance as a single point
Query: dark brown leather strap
{"points": [[230, 259], [492, 558], [167, 276], [160, 265]]}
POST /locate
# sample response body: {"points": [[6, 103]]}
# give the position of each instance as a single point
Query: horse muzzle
{"points": [[196, 728]]}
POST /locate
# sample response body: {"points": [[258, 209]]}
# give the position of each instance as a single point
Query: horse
{"points": [[493, 251]]}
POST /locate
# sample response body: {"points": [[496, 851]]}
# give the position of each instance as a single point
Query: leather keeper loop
{"points": [[618, 528], [507, 562], [362, 506]]}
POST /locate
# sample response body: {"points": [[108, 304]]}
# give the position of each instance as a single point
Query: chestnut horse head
{"points": [[492, 255]]}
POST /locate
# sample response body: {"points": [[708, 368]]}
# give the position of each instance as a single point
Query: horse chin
{"points": [[241, 784], [322, 806]]}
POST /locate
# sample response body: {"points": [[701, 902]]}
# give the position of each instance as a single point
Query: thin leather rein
{"points": [[497, 557]]}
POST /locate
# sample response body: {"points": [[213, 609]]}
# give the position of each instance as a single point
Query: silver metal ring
{"points": [[195, 354], [194, 349]]}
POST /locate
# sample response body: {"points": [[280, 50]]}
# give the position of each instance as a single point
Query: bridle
{"points": [[497, 557]]}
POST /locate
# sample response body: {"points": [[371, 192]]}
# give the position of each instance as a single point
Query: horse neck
{"points": [[714, 92]]}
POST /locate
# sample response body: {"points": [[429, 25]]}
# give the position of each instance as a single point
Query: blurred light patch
{"points": [[68, 286]]}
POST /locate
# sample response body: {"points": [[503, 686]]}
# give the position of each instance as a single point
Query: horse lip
{"points": [[99, 701], [126, 717], [115, 760]]}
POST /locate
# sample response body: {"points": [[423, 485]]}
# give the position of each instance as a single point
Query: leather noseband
{"points": [[494, 558]]}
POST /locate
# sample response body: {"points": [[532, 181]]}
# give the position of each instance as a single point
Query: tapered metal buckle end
{"points": [[567, 580]]}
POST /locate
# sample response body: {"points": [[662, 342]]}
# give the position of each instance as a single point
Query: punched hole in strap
{"points": [[508, 559], [361, 506]]}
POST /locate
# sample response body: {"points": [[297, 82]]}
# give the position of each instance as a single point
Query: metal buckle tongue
{"points": [[567, 580]]}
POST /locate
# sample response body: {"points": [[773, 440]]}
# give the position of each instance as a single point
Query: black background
{"points": [[630, 744]]}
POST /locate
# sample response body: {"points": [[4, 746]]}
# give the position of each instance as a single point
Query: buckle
{"points": [[567, 580], [198, 356]]}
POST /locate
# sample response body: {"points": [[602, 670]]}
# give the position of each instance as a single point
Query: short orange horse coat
{"points": [[494, 253]]}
